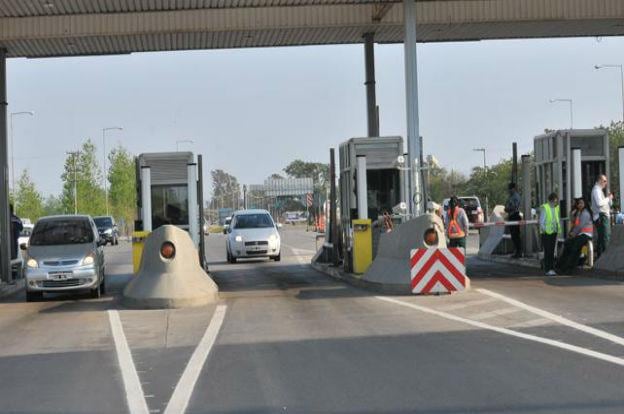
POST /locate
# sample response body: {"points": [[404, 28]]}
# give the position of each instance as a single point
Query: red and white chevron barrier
{"points": [[502, 223], [438, 271]]}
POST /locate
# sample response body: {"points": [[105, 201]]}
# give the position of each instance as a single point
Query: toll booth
{"points": [[383, 188], [170, 191], [567, 162]]}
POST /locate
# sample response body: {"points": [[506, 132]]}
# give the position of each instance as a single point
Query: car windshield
{"points": [[58, 232], [253, 221], [470, 202], [103, 221]]}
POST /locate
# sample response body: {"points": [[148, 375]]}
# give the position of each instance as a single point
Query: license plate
{"points": [[60, 276]]}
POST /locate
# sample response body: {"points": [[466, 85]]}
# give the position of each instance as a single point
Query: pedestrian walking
{"points": [[601, 206], [457, 224], [550, 227], [16, 229], [582, 231], [512, 208]]}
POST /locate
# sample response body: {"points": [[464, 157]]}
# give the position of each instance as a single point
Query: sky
{"points": [[252, 111]]}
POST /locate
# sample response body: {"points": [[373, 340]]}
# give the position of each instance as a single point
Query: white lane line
{"points": [[184, 389], [557, 344], [466, 304], [494, 313], [556, 318], [132, 384], [533, 323]]}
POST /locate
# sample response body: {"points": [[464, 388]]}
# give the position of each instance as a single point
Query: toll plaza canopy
{"points": [[40, 28]]}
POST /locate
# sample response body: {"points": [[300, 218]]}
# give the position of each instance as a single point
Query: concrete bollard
{"points": [[170, 275]]}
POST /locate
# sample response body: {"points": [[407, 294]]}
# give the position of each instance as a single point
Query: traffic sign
{"points": [[309, 199], [438, 270]]}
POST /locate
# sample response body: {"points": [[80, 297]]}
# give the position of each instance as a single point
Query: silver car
{"points": [[65, 253], [252, 233]]}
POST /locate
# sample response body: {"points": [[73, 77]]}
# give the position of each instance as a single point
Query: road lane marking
{"points": [[467, 304], [184, 389], [132, 384], [533, 323], [556, 318], [494, 313], [557, 344]]}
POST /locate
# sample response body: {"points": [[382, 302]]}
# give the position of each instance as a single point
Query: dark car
{"points": [[107, 228]]}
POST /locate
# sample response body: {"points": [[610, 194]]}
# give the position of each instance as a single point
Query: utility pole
{"points": [[74, 154]]}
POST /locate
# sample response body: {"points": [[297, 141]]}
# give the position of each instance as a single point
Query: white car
{"points": [[252, 233]]}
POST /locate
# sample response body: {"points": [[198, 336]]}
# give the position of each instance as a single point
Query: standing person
{"points": [[601, 206], [457, 224], [550, 226], [582, 231], [16, 229], [512, 208]]}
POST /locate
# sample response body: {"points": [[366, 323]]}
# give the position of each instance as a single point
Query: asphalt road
{"points": [[294, 340]]}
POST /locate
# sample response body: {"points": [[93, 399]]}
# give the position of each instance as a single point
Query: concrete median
{"points": [[170, 275]]}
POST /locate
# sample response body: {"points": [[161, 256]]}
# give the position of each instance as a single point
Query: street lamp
{"points": [[598, 67], [31, 113], [571, 108], [104, 153], [182, 141], [483, 151]]}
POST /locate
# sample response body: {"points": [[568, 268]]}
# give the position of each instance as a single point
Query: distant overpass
{"points": [[30, 28]]}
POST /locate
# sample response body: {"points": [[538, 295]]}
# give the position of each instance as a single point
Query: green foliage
{"points": [[122, 187], [54, 205], [491, 184], [443, 184], [28, 201], [225, 190], [318, 172], [83, 169]]}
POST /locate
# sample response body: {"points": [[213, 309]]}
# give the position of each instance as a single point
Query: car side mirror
{"points": [[23, 246]]}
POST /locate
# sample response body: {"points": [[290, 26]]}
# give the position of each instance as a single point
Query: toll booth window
{"points": [[383, 191], [169, 205]]}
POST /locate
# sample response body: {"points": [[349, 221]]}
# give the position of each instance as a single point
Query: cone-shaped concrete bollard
{"points": [[170, 275]]}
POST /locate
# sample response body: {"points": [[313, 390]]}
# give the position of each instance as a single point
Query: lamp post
{"points": [[182, 141], [598, 67], [484, 177], [569, 101], [104, 154], [31, 113]]}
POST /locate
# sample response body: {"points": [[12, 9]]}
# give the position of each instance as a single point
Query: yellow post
{"points": [[362, 245], [138, 240]]}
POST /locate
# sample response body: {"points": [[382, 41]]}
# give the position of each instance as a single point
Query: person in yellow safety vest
{"points": [[582, 231], [456, 222], [550, 227]]}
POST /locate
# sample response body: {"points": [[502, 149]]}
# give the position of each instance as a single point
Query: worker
{"points": [[601, 206], [512, 208], [457, 224], [582, 231], [16, 229], [550, 227]]}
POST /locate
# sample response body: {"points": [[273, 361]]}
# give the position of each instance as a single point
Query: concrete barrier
{"points": [[175, 282], [390, 270], [612, 260]]}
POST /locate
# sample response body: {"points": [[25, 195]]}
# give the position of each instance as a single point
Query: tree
{"points": [[54, 205], [122, 188], [28, 201], [225, 189], [82, 169], [318, 172], [276, 176]]}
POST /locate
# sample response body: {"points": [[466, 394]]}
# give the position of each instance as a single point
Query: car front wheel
{"points": [[278, 257]]}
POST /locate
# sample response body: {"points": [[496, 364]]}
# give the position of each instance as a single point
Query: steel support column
{"points": [[371, 99], [416, 200], [5, 238]]}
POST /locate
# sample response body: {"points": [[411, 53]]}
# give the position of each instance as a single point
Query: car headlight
{"points": [[238, 238], [108, 231], [89, 259], [32, 263], [272, 238]]}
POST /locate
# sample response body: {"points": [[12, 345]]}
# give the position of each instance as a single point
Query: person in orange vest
{"points": [[456, 222], [582, 231]]}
